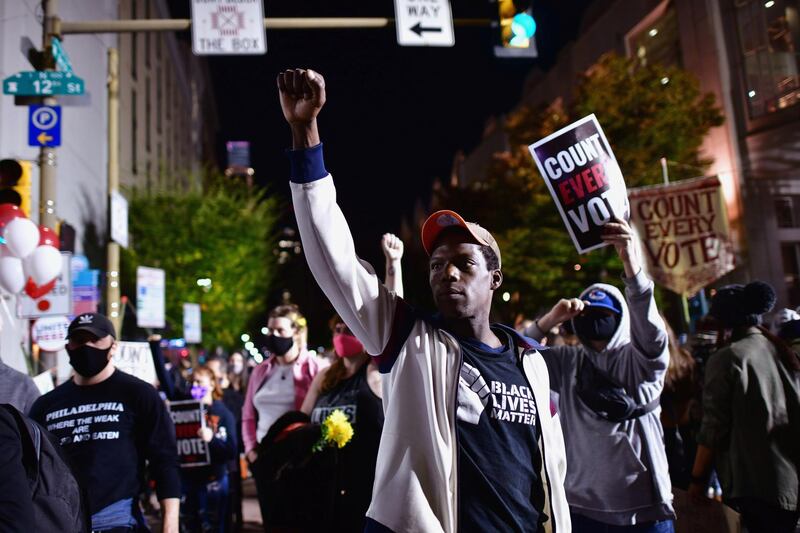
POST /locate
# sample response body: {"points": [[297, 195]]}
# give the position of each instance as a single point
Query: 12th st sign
{"points": [[424, 23], [43, 83]]}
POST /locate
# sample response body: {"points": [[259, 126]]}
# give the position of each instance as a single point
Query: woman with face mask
{"points": [[279, 384], [206, 488], [238, 373]]}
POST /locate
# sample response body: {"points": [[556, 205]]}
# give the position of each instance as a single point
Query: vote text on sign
{"points": [[188, 417], [584, 179], [684, 231]]}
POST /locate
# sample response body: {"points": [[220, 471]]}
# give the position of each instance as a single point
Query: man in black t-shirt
{"points": [[110, 423]]}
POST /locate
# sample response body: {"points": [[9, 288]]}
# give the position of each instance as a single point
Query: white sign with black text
{"points": [[135, 358], [192, 326], [228, 27], [119, 219], [50, 332], [150, 307], [424, 23]]}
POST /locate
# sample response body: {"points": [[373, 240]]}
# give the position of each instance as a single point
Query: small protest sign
{"points": [[189, 417], [134, 358], [684, 231], [584, 179]]}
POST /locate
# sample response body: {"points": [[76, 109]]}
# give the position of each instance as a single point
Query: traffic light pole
{"points": [[127, 26], [47, 155]]}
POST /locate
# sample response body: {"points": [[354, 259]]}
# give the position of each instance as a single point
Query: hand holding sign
{"points": [[620, 234], [584, 179], [205, 433]]}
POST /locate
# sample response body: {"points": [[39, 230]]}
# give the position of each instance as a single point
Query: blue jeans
{"points": [[582, 524], [205, 505]]}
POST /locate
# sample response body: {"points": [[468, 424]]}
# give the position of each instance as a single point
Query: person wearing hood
{"points": [[608, 391], [751, 400]]}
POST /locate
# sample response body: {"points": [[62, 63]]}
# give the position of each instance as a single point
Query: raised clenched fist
{"points": [[392, 247], [302, 94]]}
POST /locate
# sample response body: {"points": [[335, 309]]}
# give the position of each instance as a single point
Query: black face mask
{"points": [[88, 361], [596, 326], [278, 345]]}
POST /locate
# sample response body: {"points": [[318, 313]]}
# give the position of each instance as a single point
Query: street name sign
{"points": [[228, 27], [44, 125], [60, 55], [424, 23], [43, 83]]}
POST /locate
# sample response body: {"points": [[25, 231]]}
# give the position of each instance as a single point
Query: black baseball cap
{"points": [[95, 323]]}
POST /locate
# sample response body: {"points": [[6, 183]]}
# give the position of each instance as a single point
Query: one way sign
{"points": [[424, 23]]}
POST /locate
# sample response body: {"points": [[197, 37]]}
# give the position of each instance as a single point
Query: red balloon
{"points": [[37, 291], [48, 237], [9, 212]]}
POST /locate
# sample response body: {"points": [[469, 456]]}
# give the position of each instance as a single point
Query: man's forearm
{"points": [[170, 512], [394, 277], [305, 135], [631, 265], [702, 464]]}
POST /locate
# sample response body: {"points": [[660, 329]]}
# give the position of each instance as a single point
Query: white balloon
{"points": [[22, 237], [44, 264], [12, 277]]}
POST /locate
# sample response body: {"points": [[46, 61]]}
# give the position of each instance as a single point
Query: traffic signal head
{"points": [[15, 184], [515, 29]]}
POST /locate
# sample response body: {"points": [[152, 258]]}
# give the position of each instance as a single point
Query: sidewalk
{"points": [[250, 509]]}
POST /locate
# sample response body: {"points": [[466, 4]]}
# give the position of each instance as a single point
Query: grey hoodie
{"points": [[617, 472]]}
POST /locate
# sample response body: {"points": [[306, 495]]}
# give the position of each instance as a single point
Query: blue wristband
{"points": [[307, 165]]}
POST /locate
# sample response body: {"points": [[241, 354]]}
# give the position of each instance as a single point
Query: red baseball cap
{"points": [[441, 220]]}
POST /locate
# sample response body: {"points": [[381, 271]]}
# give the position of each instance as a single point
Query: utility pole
{"points": [[48, 191], [112, 274]]}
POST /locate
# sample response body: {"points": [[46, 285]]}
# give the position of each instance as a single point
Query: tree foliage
{"points": [[225, 233], [646, 112]]}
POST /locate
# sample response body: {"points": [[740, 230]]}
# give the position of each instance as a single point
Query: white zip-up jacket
{"points": [[416, 479]]}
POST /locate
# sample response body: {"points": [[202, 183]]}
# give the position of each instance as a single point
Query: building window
{"points": [[134, 133], [659, 42], [790, 252], [769, 32], [787, 211]]}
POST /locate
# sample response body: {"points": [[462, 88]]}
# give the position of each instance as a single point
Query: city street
{"points": [[499, 265]]}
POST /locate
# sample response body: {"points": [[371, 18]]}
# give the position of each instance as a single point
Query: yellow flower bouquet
{"points": [[336, 431]]}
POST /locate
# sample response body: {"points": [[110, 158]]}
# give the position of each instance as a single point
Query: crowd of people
{"points": [[587, 419]]}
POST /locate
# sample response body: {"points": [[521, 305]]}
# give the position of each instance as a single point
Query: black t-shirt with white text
{"points": [[107, 431], [499, 459]]}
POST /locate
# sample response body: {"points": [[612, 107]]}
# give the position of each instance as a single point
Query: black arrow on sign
{"points": [[418, 29]]}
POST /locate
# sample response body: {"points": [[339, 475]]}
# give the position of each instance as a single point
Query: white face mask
{"points": [[237, 367]]}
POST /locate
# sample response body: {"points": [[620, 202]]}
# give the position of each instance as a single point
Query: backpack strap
{"points": [[646, 408], [31, 447]]}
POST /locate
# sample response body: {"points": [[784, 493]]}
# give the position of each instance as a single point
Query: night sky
{"points": [[395, 116]]}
